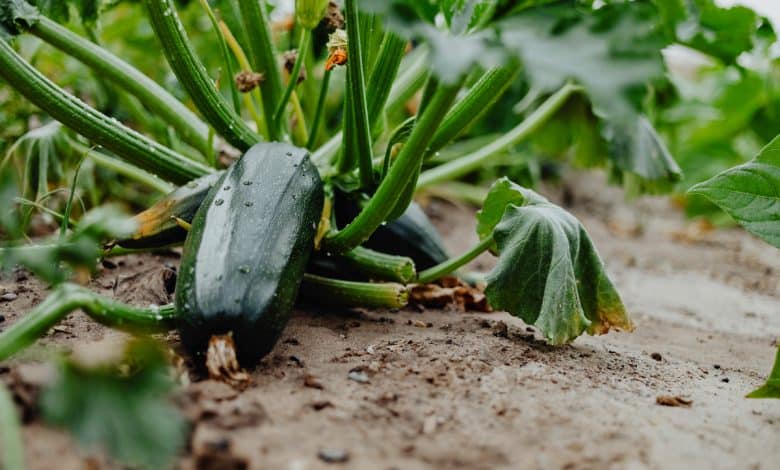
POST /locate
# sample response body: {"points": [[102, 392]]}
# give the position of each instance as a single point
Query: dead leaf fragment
{"points": [[222, 364], [450, 291], [673, 401]]}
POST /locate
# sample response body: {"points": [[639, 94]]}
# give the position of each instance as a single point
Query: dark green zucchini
{"points": [[245, 256], [157, 226], [412, 235]]}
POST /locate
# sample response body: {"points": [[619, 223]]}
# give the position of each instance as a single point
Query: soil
{"points": [[424, 388]]}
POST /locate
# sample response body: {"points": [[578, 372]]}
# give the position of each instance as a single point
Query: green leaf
{"points": [[548, 272], [464, 15], [772, 387], [122, 407], [15, 16], [639, 150], [750, 193], [59, 10]]}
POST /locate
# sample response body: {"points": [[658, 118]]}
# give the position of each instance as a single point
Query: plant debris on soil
{"points": [[371, 389]]}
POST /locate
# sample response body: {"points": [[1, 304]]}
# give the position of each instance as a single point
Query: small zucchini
{"points": [[157, 226], [245, 256], [412, 235]]}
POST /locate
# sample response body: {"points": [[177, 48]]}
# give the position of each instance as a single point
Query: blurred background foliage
{"points": [[713, 111]]}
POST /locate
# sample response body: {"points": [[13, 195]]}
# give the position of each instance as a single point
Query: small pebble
{"points": [[333, 455], [359, 377], [657, 356], [2, 318], [8, 297], [725, 380], [716, 366]]}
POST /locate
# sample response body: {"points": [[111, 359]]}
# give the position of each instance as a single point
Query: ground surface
{"points": [[481, 390]]}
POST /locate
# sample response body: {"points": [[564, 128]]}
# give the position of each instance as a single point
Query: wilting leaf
{"points": [[772, 387], [750, 193], [121, 407], [548, 271]]}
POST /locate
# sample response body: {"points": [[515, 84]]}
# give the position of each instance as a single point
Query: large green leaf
{"points": [[750, 193], [548, 271], [122, 407], [772, 387]]}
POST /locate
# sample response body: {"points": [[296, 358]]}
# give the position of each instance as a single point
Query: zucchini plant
{"points": [[300, 208]]}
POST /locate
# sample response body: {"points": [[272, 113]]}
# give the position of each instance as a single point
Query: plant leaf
{"points": [[548, 271], [127, 414], [15, 14], [772, 387], [750, 193]]}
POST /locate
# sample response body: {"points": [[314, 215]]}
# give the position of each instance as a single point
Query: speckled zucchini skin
{"points": [[246, 253]]}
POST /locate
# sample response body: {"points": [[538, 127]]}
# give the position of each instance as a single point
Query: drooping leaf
{"points": [[772, 387], [548, 271], [750, 193], [59, 10], [15, 15], [120, 407]]}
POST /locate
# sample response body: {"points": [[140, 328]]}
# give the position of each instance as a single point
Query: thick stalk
{"points": [[193, 76], [126, 143], [468, 163], [403, 173], [10, 433], [450, 266], [315, 125], [477, 102], [353, 294], [66, 298], [381, 266], [357, 133], [152, 95], [262, 53], [223, 47], [303, 51]]}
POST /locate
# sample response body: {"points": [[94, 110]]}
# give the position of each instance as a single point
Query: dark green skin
{"points": [[246, 253], [157, 228], [411, 235]]}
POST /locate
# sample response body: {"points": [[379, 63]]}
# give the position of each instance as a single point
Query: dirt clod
{"points": [[674, 401], [657, 356]]}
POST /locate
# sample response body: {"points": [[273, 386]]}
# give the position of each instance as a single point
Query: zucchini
{"points": [[157, 226], [245, 256], [412, 235]]}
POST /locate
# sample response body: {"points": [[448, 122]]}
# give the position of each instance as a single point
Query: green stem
{"points": [[225, 56], [262, 53], [10, 433], [66, 298], [450, 266], [385, 70], [357, 133], [353, 294], [402, 174], [466, 164], [381, 266], [193, 76], [124, 169], [315, 125], [303, 50], [76, 115], [477, 102], [152, 95]]}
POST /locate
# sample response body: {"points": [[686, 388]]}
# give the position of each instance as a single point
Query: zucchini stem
{"points": [[262, 53], [192, 75], [303, 51], [353, 294], [156, 98], [318, 112], [66, 298], [450, 266], [403, 172], [381, 266], [468, 163], [357, 133], [126, 143], [223, 47]]}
